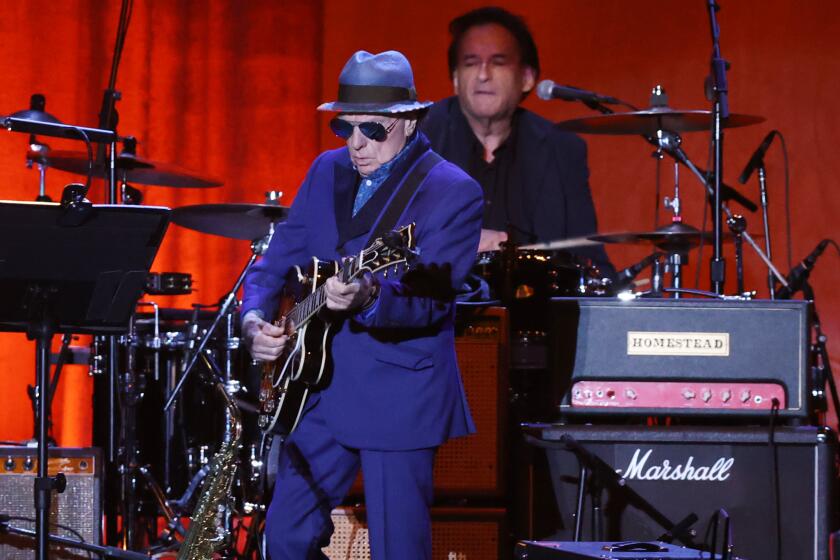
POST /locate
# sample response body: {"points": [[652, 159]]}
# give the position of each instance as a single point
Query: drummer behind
{"points": [[534, 176]]}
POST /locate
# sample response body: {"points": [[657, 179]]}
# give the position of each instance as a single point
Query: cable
{"points": [[789, 240], [836, 246], [774, 448], [66, 528]]}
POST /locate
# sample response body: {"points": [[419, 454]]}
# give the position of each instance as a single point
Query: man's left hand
{"points": [[349, 297]]}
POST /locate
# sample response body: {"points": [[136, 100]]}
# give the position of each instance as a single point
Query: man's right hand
{"points": [[491, 240], [266, 341]]}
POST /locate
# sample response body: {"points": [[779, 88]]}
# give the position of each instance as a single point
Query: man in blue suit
{"points": [[395, 393]]}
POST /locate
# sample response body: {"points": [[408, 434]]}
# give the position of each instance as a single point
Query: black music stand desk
{"points": [[66, 270]]}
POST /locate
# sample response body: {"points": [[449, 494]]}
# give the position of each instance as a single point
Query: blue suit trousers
{"points": [[314, 474]]}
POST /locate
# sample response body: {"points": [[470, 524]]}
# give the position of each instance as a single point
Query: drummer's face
{"points": [[490, 78]]}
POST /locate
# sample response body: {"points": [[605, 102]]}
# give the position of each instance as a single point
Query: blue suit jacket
{"points": [[396, 383]]}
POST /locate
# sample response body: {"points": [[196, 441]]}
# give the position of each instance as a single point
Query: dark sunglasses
{"points": [[373, 130]]}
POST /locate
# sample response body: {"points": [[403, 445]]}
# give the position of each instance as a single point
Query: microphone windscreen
{"points": [[544, 89]]}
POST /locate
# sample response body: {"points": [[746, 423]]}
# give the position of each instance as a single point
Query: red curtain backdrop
{"points": [[228, 89], [225, 88]]}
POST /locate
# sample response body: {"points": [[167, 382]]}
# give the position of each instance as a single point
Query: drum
{"points": [[177, 442], [538, 275]]}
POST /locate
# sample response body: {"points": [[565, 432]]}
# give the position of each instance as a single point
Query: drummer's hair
{"points": [[493, 14]]}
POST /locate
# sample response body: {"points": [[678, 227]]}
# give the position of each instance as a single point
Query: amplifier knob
{"points": [[9, 465], [745, 395], [726, 395], [28, 463], [630, 394], [706, 395], [689, 394]]}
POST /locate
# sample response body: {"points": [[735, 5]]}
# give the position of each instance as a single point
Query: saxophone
{"points": [[207, 532]]}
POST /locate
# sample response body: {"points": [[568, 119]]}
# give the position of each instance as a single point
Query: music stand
{"points": [[66, 271]]}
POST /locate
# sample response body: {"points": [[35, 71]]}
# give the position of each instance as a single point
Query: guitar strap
{"points": [[403, 196]]}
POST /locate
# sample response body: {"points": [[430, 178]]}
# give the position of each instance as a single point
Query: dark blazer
{"points": [[396, 383], [550, 169]]}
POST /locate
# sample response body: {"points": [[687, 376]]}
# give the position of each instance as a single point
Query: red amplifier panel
{"points": [[720, 395]]}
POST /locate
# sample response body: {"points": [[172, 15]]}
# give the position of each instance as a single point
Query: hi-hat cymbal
{"points": [[676, 237], [648, 121], [236, 220], [133, 169]]}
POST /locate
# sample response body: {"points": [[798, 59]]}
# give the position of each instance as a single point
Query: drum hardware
{"points": [[169, 283], [37, 150]]}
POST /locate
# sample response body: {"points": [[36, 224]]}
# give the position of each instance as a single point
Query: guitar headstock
{"points": [[392, 249]]}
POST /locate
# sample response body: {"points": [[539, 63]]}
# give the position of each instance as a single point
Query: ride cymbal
{"points": [[235, 220], [648, 121]]}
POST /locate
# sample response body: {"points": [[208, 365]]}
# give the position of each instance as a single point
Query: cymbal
{"points": [[676, 237], [133, 168], [648, 121], [34, 115], [235, 220]]}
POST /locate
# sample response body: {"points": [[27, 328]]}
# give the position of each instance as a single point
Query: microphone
{"points": [[799, 274], [626, 276], [548, 90], [757, 157]]}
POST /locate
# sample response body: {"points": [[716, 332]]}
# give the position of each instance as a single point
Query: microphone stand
{"points": [[258, 247], [762, 186], [820, 362], [720, 112]]}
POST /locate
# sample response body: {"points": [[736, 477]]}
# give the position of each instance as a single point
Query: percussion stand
{"points": [[670, 143]]}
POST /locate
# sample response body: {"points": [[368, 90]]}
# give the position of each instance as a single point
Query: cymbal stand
{"points": [[40, 150], [675, 257], [737, 224], [258, 247]]}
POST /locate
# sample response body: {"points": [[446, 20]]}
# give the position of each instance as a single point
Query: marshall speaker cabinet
{"points": [[680, 471], [681, 356]]}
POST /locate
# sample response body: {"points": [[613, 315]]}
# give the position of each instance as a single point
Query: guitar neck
{"points": [[306, 308]]}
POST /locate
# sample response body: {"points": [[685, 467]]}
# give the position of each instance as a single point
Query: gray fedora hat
{"points": [[376, 83]]}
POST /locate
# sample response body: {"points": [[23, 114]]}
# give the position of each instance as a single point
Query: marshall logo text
{"points": [[638, 469], [645, 343]]}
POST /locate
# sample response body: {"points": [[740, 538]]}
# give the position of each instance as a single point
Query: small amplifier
{"points": [[75, 513], [458, 533], [681, 356]]}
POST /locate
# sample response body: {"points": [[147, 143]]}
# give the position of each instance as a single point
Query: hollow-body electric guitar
{"points": [[305, 365]]}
